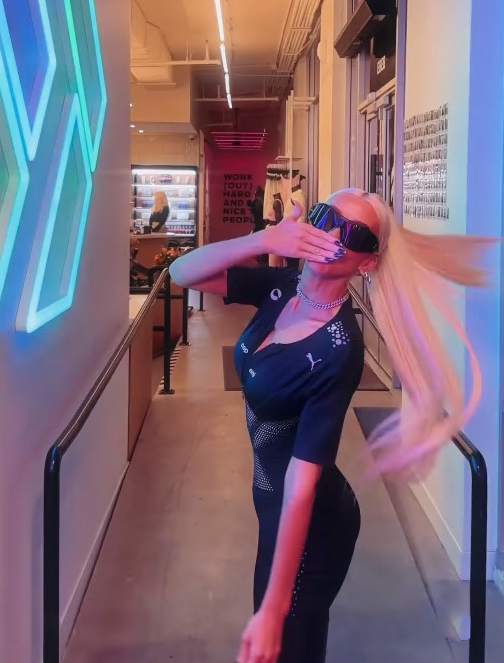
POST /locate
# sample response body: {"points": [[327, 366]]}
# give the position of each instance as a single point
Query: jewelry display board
{"points": [[425, 165]]}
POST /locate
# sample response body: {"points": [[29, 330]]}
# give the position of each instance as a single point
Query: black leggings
{"points": [[329, 550], [305, 638]]}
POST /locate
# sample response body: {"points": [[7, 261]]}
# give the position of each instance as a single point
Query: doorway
{"points": [[377, 119]]}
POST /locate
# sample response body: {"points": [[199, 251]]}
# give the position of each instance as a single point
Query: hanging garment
{"points": [[297, 195], [278, 181]]}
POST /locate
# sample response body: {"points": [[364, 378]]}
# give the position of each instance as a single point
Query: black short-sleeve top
{"points": [[297, 394]]}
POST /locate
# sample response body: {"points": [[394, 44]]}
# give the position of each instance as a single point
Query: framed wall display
{"points": [[425, 165]]}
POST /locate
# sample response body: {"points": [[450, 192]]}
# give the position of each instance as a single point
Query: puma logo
{"points": [[313, 362]]}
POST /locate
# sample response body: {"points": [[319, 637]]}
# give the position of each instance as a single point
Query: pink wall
{"points": [[233, 179]]}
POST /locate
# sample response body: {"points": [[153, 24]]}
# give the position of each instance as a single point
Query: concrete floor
{"points": [[174, 578]]}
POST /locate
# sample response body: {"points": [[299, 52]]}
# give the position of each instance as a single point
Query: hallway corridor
{"points": [[173, 581]]}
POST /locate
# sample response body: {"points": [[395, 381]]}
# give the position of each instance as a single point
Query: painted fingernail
{"points": [[340, 253]]}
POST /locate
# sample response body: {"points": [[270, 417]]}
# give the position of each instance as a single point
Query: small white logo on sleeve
{"points": [[244, 348], [252, 373], [309, 356], [276, 294]]}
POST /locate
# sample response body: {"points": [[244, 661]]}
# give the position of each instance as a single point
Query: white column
{"points": [[333, 100]]}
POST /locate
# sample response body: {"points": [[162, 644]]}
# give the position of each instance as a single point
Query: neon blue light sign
{"points": [[59, 273], [26, 24], [94, 117], [28, 63], [14, 176]]}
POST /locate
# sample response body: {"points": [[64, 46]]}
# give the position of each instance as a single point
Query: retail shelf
{"points": [[180, 234], [160, 186], [175, 198], [148, 209]]}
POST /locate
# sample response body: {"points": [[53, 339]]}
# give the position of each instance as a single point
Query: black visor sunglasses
{"points": [[354, 236]]}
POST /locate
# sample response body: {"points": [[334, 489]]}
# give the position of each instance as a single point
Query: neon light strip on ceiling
{"points": [[220, 22]]}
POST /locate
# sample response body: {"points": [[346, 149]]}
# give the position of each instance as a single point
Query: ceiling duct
{"points": [[247, 141], [148, 45], [296, 37]]}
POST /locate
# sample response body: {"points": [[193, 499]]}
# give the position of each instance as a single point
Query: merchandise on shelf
{"points": [[181, 188]]}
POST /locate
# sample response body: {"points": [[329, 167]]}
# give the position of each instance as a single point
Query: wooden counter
{"points": [[148, 246]]}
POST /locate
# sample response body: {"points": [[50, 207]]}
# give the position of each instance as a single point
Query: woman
{"points": [[300, 361], [159, 213]]}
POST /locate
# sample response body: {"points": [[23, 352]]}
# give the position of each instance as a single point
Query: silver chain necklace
{"points": [[307, 300]]}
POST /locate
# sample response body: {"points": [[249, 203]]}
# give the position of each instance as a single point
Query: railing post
{"points": [[201, 302], [185, 316], [167, 337], [477, 588], [51, 557]]}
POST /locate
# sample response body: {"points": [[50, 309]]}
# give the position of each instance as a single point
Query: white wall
{"points": [[333, 115], [449, 68], [484, 217], [300, 129], [45, 375], [164, 103], [167, 149]]}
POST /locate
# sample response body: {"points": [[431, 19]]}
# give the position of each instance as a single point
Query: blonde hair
{"points": [[160, 201], [412, 272]]}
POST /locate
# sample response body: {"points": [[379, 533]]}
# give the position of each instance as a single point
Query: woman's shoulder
{"points": [[283, 278]]}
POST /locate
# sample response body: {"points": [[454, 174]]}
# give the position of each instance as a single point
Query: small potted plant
{"points": [[167, 256]]}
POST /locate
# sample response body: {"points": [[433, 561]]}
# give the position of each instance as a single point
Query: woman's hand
{"points": [[291, 239], [262, 639]]}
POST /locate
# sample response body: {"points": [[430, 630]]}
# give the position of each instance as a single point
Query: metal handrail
{"points": [[364, 308], [52, 474], [477, 577], [479, 498], [367, 313]]}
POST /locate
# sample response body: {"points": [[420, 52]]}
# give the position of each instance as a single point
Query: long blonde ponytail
{"points": [[412, 274]]}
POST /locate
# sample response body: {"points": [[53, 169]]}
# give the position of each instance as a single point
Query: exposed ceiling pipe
{"points": [[295, 39], [147, 44], [174, 63], [208, 99]]}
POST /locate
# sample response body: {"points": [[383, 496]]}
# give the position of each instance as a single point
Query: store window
{"points": [[371, 141], [358, 92]]}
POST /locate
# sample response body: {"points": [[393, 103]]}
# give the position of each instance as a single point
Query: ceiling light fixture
{"points": [[224, 58], [230, 102], [140, 131], [220, 21], [132, 126], [131, 105], [226, 78]]}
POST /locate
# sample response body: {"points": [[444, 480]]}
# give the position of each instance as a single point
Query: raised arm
{"points": [[205, 268]]}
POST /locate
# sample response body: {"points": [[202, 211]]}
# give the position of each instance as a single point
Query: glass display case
{"points": [[180, 184]]}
